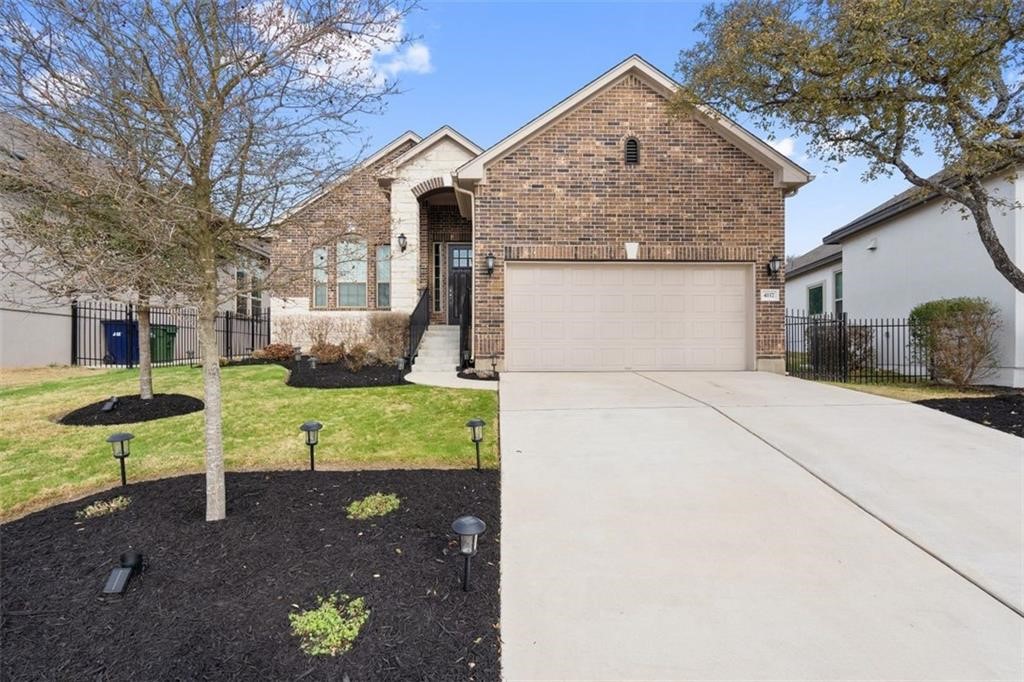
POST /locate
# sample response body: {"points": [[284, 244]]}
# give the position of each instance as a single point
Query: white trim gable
{"points": [[787, 173], [424, 145]]}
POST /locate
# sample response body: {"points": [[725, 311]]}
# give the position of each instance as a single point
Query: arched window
{"points": [[632, 151]]}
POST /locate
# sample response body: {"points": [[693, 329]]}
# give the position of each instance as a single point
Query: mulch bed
{"points": [[476, 375], [337, 375], [1004, 412], [214, 600], [131, 409]]}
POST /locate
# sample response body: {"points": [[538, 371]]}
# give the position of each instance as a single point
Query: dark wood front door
{"points": [[460, 278]]}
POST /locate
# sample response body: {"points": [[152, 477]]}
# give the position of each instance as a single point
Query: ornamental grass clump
{"points": [[377, 504], [332, 627], [103, 507]]}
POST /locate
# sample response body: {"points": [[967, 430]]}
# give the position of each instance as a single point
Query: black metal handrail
{"points": [[465, 324], [418, 323]]}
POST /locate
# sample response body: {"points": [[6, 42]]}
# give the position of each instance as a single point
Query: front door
{"points": [[460, 278]]}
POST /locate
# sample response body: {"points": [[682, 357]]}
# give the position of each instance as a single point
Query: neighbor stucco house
{"points": [[605, 234], [915, 248]]}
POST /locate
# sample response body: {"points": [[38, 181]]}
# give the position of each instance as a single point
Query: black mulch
{"points": [[476, 375], [214, 600], [131, 409], [338, 375], [1004, 412]]}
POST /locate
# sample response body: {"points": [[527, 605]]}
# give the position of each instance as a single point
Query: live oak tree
{"points": [[880, 80], [217, 114]]}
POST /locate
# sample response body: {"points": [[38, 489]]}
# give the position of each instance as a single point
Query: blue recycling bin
{"points": [[122, 339]]}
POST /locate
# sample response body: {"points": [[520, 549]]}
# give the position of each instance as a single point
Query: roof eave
{"points": [[820, 263]]}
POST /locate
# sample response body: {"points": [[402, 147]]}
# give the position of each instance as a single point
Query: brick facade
{"points": [[566, 194], [444, 225]]}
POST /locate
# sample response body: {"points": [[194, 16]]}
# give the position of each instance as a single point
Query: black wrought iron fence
{"points": [[839, 348], [107, 333], [419, 320]]}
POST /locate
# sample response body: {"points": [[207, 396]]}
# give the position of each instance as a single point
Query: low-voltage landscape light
{"points": [[298, 353], [312, 431], [121, 448], [476, 432], [469, 529], [312, 362]]}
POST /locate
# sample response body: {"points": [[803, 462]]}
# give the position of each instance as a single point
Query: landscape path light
{"points": [[121, 448], [476, 432], [469, 529], [312, 431]]}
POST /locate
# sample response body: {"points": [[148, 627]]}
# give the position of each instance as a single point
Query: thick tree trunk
{"points": [[979, 209], [216, 507], [145, 354]]}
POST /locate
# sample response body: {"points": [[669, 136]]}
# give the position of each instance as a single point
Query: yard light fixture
{"points": [[403, 242], [191, 354], [469, 529], [312, 362], [476, 432], [298, 353], [312, 431], [494, 363], [121, 448], [774, 265], [489, 262]]}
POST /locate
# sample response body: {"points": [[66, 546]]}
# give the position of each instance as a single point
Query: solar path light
{"points": [[312, 431], [476, 432], [469, 529], [121, 448]]}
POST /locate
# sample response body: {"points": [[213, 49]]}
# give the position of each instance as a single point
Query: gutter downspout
{"points": [[472, 302]]}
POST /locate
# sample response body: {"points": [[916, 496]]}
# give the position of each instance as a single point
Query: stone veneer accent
{"points": [[566, 194]]}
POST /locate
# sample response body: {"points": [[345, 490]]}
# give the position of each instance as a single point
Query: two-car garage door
{"points": [[574, 316]]}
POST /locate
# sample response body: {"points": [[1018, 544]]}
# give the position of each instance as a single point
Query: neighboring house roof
{"points": [[787, 173], [442, 133], [817, 257]]}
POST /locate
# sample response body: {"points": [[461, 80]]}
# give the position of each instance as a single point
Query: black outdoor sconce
{"points": [[774, 265], [312, 431], [489, 262], [121, 448], [476, 432], [469, 529], [403, 242]]}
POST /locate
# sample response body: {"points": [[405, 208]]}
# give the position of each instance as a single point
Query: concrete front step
{"points": [[439, 350]]}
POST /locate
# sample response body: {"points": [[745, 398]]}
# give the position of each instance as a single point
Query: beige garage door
{"points": [[617, 316]]}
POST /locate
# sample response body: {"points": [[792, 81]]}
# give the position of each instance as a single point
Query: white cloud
{"points": [[784, 146], [414, 59]]}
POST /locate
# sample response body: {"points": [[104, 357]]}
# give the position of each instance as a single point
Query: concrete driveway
{"points": [[752, 526]]}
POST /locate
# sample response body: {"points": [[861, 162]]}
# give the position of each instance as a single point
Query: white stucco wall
{"points": [[928, 253], [796, 287]]}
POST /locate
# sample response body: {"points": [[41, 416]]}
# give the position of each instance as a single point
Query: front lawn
{"points": [[42, 462], [913, 391]]}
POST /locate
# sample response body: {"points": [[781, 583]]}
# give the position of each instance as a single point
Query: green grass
{"points": [[42, 462], [377, 504], [914, 391]]}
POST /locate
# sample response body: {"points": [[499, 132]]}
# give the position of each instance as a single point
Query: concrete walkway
{"points": [[751, 526]]}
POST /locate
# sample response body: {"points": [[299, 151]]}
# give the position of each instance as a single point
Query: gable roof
{"points": [[817, 257], [407, 136], [444, 132], [787, 173]]}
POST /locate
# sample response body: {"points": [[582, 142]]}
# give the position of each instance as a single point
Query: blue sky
{"points": [[487, 68]]}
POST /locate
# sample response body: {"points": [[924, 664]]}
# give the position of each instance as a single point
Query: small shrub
{"points": [[351, 330], [956, 337], [275, 352], [103, 507], [328, 353], [826, 348], [356, 357], [319, 329], [332, 627], [389, 334], [377, 504], [286, 330]]}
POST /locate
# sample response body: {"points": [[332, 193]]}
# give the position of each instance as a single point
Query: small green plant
{"points": [[332, 627], [377, 504], [103, 507]]}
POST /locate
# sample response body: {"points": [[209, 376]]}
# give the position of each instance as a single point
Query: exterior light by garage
{"points": [[774, 265], [489, 263], [403, 242], [121, 448], [476, 432], [312, 431], [469, 529]]}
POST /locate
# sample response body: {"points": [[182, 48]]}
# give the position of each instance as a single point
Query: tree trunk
{"points": [[979, 209], [145, 354], [216, 508]]}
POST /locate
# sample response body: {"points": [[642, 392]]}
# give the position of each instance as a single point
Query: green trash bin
{"points": [[161, 342]]}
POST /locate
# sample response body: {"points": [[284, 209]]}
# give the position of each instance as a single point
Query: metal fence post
{"points": [[132, 340], [227, 334], [74, 332]]}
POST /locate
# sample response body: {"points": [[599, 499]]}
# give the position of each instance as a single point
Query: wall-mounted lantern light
{"points": [[121, 448], [489, 262], [403, 242], [774, 265], [312, 431], [476, 432], [469, 529]]}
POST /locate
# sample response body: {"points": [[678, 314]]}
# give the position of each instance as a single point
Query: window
{"points": [[816, 299], [437, 277], [384, 276], [632, 152], [462, 257], [320, 277], [241, 295], [352, 274], [256, 293], [838, 279]]}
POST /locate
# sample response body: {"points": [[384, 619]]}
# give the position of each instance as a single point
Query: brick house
{"points": [[605, 234]]}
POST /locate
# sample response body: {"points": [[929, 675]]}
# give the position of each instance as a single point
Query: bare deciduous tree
{"points": [[220, 113]]}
